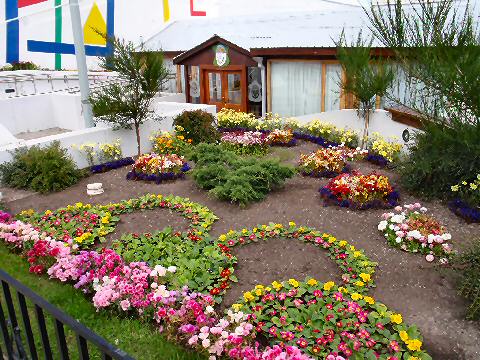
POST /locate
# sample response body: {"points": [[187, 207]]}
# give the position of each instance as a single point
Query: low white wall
{"points": [[381, 121], [103, 133]]}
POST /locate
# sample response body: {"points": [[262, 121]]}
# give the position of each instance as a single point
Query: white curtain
{"points": [[296, 88], [333, 78]]}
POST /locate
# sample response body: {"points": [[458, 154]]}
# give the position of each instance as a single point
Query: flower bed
{"points": [[246, 142], [111, 165], [377, 160], [158, 168], [467, 203], [360, 191], [168, 143], [411, 229], [82, 225], [279, 137], [325, 162], [328, 322]]}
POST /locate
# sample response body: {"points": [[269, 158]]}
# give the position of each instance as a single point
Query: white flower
{"points": [[447, 236], [239, 331], [154, 285], [431, 238], [172, 269], [161, 271], [398, 240], [382, 225], [414, 234], [398, 218], [209, 309], [206, 343], [423, 209], [391, 227], [429, 257]]}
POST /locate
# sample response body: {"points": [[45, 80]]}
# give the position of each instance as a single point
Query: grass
{"points": [[139, 340]]}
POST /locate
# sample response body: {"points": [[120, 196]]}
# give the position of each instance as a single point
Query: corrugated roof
{"points": [[278, 30]]}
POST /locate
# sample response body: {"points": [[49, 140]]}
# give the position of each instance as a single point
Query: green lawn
{"points": [[139, 340]]}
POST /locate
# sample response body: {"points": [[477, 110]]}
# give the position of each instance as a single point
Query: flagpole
{"points": [[81, 63]]}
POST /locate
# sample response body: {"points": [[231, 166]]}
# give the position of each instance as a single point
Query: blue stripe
{"points": [[110, 24], [13, 37], [63, 48]]}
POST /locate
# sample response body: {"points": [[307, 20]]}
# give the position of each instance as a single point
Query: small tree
{"points": [[126, 103], [364, 78]]}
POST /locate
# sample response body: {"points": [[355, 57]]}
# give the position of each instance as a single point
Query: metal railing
{"points": [[13, 334]]}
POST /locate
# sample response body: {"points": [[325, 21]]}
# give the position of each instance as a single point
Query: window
{"points": [[194, 84], [296, 87], [333, 73], [255, 91]]}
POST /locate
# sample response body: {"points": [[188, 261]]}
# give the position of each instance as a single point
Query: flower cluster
{"points": [[5, 217], [246, 142], [331, 133], [158, 164], [99, 153], [360, 191], [279, 137], [357, 269], [325, 162], [329, 322], [388, 149], [467, 202], [411, 229], [165, 142], [231, 119]]}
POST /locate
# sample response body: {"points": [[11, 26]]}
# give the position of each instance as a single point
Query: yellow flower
{"points": [[342, 243], [105, 219], [343, 289], [403, 335], [413, 358], [276, 285], [365, 277], [369, 300], [258, 292], [223, 237], [244, 231], [396, 318], [359, 283], [312, 282], [357, 254], [454, 188], [255, 230], [414, 345], [473, 186], [48, 212], [237, 307], [331, 239], [293, 282], [79, 205], [328, 285], [248, 296], [356, 296], [291, 224]]}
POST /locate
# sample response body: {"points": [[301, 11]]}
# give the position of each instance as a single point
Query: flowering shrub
{"points": [[81, 225], [279, 137], [99, 153], [411, 229], [325, 162], [231, 119], [198, 263], [467, 202], [388, 149], [360, 191], [246, 142], [5, 217], [328, 322], [158, 168], [164, 142], [331, 133], [357, 269]]}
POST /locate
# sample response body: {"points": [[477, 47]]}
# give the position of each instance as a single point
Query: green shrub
{"points": [[198, 264], [21, 65], [442, 156], [40, 169], [468, 267], [233, 178], [196, 125]]}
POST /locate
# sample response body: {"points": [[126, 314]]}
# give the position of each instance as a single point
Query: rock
{"points": [[95, 192], [94, 186]]}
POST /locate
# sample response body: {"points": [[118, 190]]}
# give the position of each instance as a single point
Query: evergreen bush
{"points": [[197, 125]]}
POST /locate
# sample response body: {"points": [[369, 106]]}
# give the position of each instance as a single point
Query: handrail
{"points": [[14, 344]]}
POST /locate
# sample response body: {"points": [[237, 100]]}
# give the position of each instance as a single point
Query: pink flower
{"points": [[429, 257], [125, 304]]}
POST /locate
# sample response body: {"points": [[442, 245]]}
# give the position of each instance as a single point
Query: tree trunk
{"points": [[137, 133], [365, 131]]}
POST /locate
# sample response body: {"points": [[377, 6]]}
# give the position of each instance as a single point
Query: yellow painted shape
{"points": [[95, 22], [166, 11]]}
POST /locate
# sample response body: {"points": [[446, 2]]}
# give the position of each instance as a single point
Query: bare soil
{"points": [[405, 282]]}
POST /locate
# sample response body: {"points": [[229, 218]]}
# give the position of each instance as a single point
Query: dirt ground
{"points": [[405, 282]]}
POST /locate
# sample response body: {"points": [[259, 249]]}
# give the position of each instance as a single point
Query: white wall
{"points": [[103, 133], [381, 121]]}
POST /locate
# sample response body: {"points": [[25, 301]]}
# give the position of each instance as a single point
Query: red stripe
{"points": [[23, 3]]}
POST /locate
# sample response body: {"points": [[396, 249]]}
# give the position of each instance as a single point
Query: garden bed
{"points": [[419, 294]]}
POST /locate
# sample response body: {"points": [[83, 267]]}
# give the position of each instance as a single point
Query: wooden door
{"points": [[225, 88]]}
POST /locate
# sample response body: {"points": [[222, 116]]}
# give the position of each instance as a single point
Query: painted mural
{"points": [[40, 30]]}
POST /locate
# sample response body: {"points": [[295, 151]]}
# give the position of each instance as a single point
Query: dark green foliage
{"points": [[21, 65], [437, 47], [442, 156], [468, 267], [40, 169], [198, 264], [196, 125], [234, 178]]}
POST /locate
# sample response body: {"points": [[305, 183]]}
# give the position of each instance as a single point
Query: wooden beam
{"points": [[324, 80], [269, 86]]}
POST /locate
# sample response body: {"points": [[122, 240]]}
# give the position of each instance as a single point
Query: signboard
{"points": [[221, 55]]}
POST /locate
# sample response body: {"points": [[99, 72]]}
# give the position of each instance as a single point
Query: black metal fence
{"points": [[37, 338]]}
